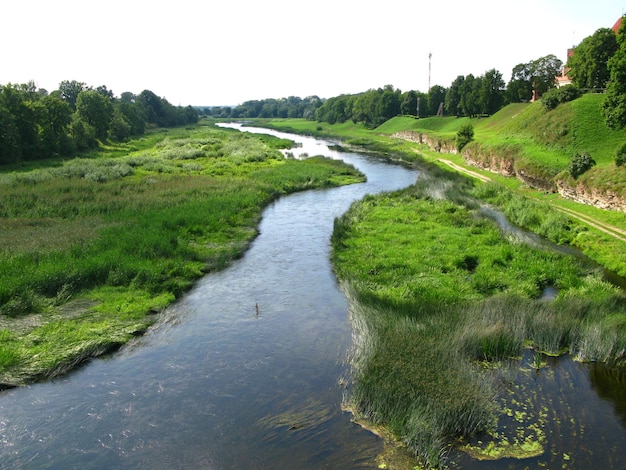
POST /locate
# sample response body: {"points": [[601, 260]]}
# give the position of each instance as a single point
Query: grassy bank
{"points": [[437, 294], [508, 132], [92, 247]]}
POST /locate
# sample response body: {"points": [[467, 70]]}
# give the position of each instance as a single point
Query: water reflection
{"points": [[610, 384]]}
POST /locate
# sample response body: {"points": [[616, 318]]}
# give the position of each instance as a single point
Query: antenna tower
{"points": [[430, 55]]}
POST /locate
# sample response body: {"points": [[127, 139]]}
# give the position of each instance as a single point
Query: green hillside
{"points": [[540, 142]]}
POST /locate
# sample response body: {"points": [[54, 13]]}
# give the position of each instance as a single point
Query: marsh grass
{"points": [[436, 290], [129, 233]]}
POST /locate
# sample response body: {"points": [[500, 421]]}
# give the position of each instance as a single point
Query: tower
{"points": [[430, 55]]}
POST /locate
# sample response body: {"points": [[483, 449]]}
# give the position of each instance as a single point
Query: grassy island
{"points": [[439, 295]]}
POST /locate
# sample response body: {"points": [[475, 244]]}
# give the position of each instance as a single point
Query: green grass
{"points": [[515, 135], [91, 246], [435, 290]]}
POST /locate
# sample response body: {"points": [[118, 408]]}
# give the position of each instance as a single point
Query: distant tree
{"points": [[408, 106], [134, 113], [153, 107], [96, 110], [539, 75], [519, 91], [58, 117], [544, 72], [589, 63], [389, 103], [70, 90], [128, 97], [614, 106], [335, 110], [104, 91], [10, 149], [453, 97], [470, 88], [83, 134], [491, 94], [366, 108], [436, 97]]}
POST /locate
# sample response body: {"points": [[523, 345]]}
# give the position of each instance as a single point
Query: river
{"points": [[213, 385], [246, 370]]}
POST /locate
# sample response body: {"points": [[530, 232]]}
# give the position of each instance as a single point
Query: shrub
{"points": [[464, 136], [555, 96], [620, 158], [580, 163]]}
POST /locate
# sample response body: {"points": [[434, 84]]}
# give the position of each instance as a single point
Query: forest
{"points": [[35, 124]]}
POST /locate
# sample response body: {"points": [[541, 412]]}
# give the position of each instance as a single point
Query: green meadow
{"points": [[92, 247]]}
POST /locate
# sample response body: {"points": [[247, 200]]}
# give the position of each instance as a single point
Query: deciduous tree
{"points": [[614, 106], [589, 63]]}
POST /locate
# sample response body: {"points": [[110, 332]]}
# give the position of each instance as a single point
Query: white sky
{"points": [[208, 52]]}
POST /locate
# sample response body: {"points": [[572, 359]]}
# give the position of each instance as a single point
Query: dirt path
{"points": [[615, 232], [603, 227], [459, 168]]}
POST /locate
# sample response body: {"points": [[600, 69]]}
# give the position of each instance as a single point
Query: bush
{"points": [[464, 136], [555, 96], [580, 163], [620, 158]]}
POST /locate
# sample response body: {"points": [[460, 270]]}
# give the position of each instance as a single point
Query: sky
{"points": [[222, 53]]}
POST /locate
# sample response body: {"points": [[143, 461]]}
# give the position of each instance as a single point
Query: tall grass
{"points": [[436, 289], [143, 225]]}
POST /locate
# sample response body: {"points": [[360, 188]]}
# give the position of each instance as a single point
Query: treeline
{"points": [[467, 96], [292, 107], [35, 124]]}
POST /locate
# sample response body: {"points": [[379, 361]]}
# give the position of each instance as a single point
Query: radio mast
{"points": [[430, 55]]}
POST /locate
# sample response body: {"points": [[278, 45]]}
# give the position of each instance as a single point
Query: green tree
{"points": [[491, 94], [70, 89], [589, 63], [436, 97], [614, 106], [83, 134], [408, 106], [540, 75], [469, 90], [96, 110], [519, 91], [366, 108], [10, 149], [453, 97], [59, 116], [389, 103], [544, 72]]}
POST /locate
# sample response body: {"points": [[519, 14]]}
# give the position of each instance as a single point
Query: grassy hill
{"points": [[538, 142]]}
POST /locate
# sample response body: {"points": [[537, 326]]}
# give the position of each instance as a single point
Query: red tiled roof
{"points": [[617, 25]]}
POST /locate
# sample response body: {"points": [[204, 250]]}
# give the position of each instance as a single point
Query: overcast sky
{"points": [[195, 52]]}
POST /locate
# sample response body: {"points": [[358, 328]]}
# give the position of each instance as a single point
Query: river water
{"points": [[245, 371]]}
